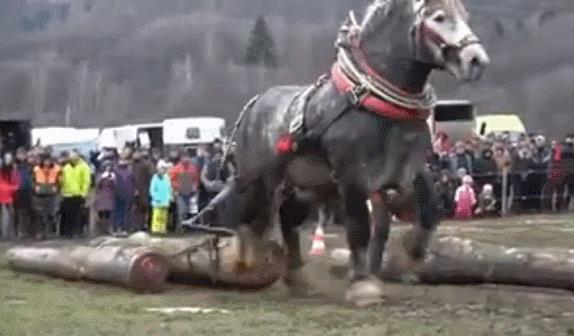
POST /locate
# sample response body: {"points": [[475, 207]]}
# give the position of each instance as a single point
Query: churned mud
{"points": [[39, 305]]}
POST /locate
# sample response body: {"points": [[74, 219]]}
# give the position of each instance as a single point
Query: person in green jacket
{"points": [[75, 181]]}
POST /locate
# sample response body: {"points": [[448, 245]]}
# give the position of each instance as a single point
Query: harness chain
{"points": [[229, 140]]}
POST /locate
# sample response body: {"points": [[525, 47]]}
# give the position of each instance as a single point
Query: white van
{"points": [[456, 118], [500, 123], [142, 135], [67, 139], [191, 132]]}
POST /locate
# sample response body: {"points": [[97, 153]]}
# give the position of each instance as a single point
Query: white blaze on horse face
{"points": [[453, 45]]}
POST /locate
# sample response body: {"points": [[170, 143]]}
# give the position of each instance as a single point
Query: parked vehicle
{"points": [[456, 118], [498, 124], [141, 136], [191, 132], [67, 139], [14, 133]]}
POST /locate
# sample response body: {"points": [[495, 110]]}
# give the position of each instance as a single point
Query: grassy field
{"points": [[38, 305]]}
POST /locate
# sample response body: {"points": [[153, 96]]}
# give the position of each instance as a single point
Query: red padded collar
{"points": [[373, 103]]}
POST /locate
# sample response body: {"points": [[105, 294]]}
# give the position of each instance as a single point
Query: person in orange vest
{"points": [[45, 181]]}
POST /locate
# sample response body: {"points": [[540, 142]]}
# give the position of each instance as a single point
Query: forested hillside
{"points": [[118, 61]]}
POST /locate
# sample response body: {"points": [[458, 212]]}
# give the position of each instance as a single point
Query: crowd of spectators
{"points": [[538, 174], [47, 195]]}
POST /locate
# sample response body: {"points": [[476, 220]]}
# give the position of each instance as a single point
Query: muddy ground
{"points": [[38, 305]]}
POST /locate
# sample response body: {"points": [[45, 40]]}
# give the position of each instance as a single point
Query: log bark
{"points": [[122, 263], [453, 260], [142, 262]]}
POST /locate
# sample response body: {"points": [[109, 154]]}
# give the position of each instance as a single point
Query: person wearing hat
{"points": [[75, 181], [465, 199], [104, 197], [161, 194]]}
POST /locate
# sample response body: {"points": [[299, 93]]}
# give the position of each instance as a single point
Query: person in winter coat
{"points": [[215, 174], [75, 182], [460, 159], [23, 209], [161, 194], [45, 181], [486, 201], [185, 182], [485, 165], [445, 189], [105, 197], [9, 184], [124, 198], [465, 199], [143, 172]]}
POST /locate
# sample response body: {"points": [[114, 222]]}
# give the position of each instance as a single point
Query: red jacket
{"points": [[185, 179], [9, 184]]}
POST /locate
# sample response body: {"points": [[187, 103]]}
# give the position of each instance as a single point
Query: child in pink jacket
{"points": [[465, 199]]}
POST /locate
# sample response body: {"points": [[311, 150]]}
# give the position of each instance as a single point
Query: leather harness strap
{"points": [[360, 96]]}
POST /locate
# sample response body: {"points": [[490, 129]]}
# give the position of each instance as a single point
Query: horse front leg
{"points": [[427, 217], [380, 227], [365, 289]]}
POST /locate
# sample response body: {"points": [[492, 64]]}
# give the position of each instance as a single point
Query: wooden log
{"points": [[128, 265], [453, 260], [142, 262], [216, 258]]}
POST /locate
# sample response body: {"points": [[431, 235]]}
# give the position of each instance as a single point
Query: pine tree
{"points": [[261, 48]]}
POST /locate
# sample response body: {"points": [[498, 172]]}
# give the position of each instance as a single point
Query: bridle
{"points": [[353, 62], [420, 30]]}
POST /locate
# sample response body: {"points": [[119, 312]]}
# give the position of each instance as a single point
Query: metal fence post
{"points": [[504, 205]]}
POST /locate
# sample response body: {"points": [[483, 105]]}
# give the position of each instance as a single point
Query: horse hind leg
{"points": [[292, 213]]}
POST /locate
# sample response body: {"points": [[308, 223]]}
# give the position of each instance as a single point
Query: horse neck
{"points": [[407, 74]]}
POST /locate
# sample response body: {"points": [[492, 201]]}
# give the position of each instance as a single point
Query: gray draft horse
{"points": [[358, 133]]}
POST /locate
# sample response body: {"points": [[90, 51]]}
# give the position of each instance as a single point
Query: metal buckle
{"points": [[296, 124], [356, 94]]}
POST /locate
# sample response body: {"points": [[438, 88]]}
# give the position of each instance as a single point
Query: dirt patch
{"points": [[38, 305]]}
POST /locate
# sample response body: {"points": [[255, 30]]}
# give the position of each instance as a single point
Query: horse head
{"points": [[420, 35]]}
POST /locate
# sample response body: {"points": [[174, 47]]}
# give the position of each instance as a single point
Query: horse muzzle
{"points": [[468, 63]]}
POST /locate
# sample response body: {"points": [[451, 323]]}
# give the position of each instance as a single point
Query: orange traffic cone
{"points": [[318, 242]]}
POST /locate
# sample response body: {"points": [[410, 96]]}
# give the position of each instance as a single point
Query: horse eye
{"points": [[440, 18]]}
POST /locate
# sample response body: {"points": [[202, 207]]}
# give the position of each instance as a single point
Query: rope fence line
{"points": [[531, 189]]}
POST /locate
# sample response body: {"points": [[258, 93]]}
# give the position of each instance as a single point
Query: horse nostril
{"points": [[475, 61]]}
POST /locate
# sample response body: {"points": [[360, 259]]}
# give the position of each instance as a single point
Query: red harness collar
{"points": [[373, 103]]}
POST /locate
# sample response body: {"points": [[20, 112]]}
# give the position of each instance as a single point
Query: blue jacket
{"points": [[160, 191]]}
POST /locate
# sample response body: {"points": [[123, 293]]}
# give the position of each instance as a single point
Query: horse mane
{"points": [[378, 10], [375, 14], [456, 7]]}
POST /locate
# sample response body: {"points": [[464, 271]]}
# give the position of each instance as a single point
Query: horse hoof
{"points": [[410, 278], [297, 284], [366, 292]]}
